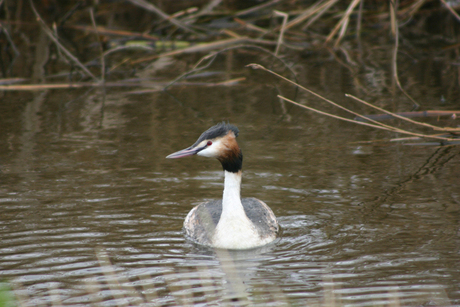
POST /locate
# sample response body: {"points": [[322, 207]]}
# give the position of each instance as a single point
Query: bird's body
{"points": [[232, 222]]}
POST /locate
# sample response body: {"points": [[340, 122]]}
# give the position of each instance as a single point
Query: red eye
{"points": [[209, 143]]}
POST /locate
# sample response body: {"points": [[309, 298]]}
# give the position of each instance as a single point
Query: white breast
{"points": [[235, 230]]}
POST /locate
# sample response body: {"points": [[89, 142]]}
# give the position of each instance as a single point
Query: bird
{"points": [[232, 222]]}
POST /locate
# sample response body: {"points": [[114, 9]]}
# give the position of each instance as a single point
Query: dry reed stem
{"points": [[393, 13], [206, 47], [394, 27], [56, 41], [104, 31], [189, 10], [231, 33], [7, 81], [392, 129], [208, 8], [453, 12], [40, 87], [402, 117], [359, 23], [321, 10], [250, 26], [120, 48], [257, 66], [230, 82], [415, 7], [8, 38], [317, 6], [343, 23], [152, 8], [376, 124], [283, 26], [344, 27]]}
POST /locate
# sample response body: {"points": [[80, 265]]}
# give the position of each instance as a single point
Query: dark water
{"points": [[91, 211]]}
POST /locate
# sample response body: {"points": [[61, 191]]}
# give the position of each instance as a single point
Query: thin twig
{"points": [[8, 37], [123, 83], [208, 46], [360, 20], [344, 27], [257, 66], [283, 26], [342, 23], [375, 125], [319, 13], [451, 10], [129, 47], [105, 31], [205, 10], [392, 129], [40, 87], [250, 26], [305, 14], [358, 31], [402, 117], [152, 8], [395, 28]]}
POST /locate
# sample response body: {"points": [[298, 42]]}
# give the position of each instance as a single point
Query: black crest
{"points": [[216, 131]]}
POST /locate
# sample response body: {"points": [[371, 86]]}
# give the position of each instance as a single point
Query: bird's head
{"points": [[218, 142]]}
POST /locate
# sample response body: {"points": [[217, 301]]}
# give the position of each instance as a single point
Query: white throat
{"points": [[234, 230], [231, 201]]}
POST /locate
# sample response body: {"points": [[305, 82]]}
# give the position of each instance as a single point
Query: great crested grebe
{"points": [[230, 222]]}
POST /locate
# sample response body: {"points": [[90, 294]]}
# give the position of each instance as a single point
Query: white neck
{"points": [[231, 201], [234, 230]]}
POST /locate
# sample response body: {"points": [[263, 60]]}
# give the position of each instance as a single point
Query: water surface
{"points": [[91, 211]]}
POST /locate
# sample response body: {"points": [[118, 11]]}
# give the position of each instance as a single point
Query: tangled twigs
{"points": [[56, 41]]}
